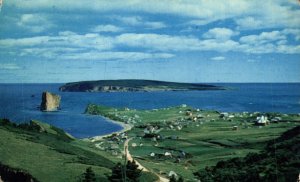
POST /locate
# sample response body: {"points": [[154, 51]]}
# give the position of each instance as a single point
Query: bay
{"points": [[19, 103]]}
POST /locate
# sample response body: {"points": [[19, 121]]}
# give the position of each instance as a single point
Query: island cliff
{"points": [[50, 102], [133, 86]]}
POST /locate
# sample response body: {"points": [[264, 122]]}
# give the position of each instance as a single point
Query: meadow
{"points": [[184, 139]]}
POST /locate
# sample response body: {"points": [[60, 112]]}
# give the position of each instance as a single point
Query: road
{"points": [[130, 158]]}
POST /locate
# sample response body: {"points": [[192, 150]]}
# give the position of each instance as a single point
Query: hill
{"points": [[191, 139], [37, 151], [45, 153], [279, 161], [133, 85]]}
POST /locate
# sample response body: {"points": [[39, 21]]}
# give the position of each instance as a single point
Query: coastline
{"points": [[125, 127]]}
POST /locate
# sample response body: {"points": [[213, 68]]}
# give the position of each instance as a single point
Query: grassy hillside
{"points": [[205, 137], [279, 161], [132, 85], [48, 154], [180, 139]]}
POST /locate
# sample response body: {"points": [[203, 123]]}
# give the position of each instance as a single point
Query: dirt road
{"points": [[130, 158]]}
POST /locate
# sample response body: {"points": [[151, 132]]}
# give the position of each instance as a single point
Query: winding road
{"points": [[141, 167]]}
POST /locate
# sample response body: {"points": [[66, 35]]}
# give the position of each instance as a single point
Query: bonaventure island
{"points": [[178, 143]]}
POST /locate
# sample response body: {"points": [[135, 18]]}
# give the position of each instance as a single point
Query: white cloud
{"points": [[34, 22], [272, 14], [175, 43], [220, 33], [70, 45], [32, 41], [80, 54], [158, 42], [9, 66], [139, 21], [294, 32], [64, 39], [249, 23], [106, 28], [264, 37], [155, 25], [248, 14], [130, 20], [129, 56], [218, 58]]}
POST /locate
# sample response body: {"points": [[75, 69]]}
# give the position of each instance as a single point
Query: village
{"points": [[176, 135]]}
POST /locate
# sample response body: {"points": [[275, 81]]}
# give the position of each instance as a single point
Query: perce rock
{"points": [[50, 102]]}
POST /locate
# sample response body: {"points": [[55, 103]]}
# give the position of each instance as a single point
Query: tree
{"points": [[116, 175], [132, 172], [180, 179], [173, 178], [89, 175]]}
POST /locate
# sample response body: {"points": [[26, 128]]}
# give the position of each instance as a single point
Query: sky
{"points": [[203, 41]]}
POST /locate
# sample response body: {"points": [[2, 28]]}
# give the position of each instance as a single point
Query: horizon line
{"points": [[146, 79]]}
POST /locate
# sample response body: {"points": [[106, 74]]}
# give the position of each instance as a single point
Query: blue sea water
{"points": [[19, 103]]}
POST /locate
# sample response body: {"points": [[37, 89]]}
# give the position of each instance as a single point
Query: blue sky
{"points": [[186, 41]]}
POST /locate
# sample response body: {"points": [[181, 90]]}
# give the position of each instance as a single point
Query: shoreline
{"points": [[125, 127]]}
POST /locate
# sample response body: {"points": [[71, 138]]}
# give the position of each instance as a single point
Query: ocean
{"points": [[19, 103]]}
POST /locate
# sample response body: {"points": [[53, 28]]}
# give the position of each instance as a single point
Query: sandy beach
{"points": [[126, 127]]}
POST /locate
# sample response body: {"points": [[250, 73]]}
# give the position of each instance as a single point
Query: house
{"points": [[182, 154], [200, 116], [123, 135], [154, 139], [231, 116], [189, 113], [149, 129], [235, 128], [174, 137], [276, 119], [224, 114], [168, 154], [262, 120], [152, 154], [179, 127], [161, 137], [114, 146], [114, 153], [172, 173], [177, 160]]}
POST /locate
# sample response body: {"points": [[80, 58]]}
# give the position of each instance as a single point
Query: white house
{"points": [[168, 154], [262, 120]]}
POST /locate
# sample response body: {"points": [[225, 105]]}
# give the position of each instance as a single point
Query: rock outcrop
{"points": [[50, 102]]}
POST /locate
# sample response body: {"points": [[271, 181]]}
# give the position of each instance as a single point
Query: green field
{"points": [[205, 140], [48, 154], [192, 139]]}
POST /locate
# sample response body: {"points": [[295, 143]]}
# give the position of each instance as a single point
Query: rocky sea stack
{"points": [[50, 101]]}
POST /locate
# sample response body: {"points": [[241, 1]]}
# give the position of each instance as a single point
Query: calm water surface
{"points": [[19, 102]]}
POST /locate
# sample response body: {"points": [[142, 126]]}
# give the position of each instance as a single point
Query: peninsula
{"points": [[131, 85], [198, 144]]}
